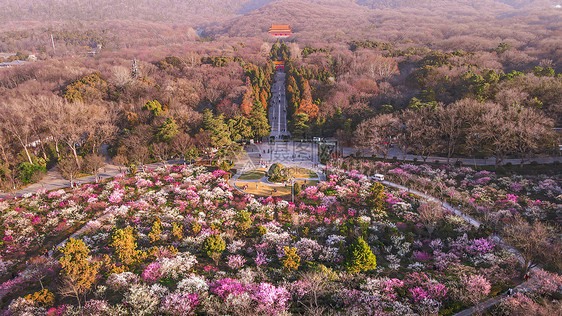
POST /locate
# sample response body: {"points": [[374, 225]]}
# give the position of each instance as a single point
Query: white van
{"points": [[378, 177]]}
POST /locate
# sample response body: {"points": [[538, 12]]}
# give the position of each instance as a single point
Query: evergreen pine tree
{"points": [[125, 244], [156, 231], [377, 197], [215, 125], [168, 130], [248, 100], [155, 107], [299, 125], [306, 105], [263, 99], [240, 128], [258, 121], [359, 257], [274, 52]]}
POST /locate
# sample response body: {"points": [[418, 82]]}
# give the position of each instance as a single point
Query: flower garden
{"points": [[493, 199], [181, 241]]}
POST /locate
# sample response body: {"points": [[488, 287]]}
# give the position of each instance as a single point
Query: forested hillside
{"points": [[532, 26], [448, 25]]}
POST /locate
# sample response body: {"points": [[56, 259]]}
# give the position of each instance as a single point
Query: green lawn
{"points": [[253, 175], [299, 172], [262, 189]]}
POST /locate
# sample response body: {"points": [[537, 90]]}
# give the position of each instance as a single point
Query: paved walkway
{"points": [[53, 179], [471, 220], [446, 205], [482, 306], [301, 154], [278, 107]]}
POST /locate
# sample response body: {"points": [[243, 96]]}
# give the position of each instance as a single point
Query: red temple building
{"points": [[279, 65], [280, 31]]}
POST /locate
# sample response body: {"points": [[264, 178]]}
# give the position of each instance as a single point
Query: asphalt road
{"points": [[396, 152], [278, 107]]}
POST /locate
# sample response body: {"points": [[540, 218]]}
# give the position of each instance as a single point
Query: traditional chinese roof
{"points": [[280, 28]]}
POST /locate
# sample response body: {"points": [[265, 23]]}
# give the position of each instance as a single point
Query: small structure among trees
{"points": [[279, 65]]}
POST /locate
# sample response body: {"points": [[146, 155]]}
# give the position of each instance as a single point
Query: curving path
{"points": [[53, 179], [480, 307], [396, 152], [232, 181]]}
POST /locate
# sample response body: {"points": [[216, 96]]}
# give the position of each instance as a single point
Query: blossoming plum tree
{"points": [[78, 269], [154, 234], [213, 246], [291, 260], [124, 242]]}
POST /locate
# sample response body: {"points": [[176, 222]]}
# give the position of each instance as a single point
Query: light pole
{"points": [[293, 190], [293, 150]]}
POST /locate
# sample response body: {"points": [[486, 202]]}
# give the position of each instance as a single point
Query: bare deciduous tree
{"points": [[181, 144], [16, 118], [318, 284], [429, 214], [120, 160], [8, 171], [494, 132], [535, 243], [451, 121], [69, 168], [422, 130], [378, 133], [161, 150], [533, 132], [93, 163], [75, 123]]}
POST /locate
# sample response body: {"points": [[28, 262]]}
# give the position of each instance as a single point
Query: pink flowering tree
{"points": [[473, 288], [179, 304]]}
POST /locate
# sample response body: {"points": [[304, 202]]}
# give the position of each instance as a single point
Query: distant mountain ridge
{"points": [[416, 3], [174, 11], [333, 19], [330, 20], [203, 12]]}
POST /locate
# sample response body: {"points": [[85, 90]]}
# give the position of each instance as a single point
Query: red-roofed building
{"points": [[280, 30], [279, 65]]}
